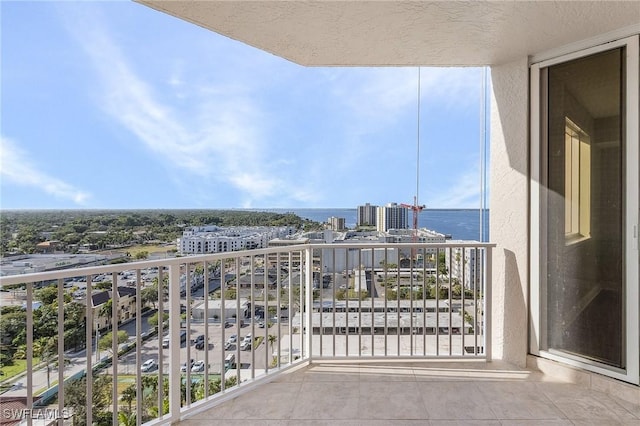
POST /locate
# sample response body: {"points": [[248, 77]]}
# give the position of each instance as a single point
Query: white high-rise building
{"points": [[392, 216], [336, 223]]}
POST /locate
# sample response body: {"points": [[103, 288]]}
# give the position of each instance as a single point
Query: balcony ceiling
{"points": [[387, 33]]}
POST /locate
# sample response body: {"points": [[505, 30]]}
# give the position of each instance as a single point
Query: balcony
{"points": [[307, 332], [425, 392]]}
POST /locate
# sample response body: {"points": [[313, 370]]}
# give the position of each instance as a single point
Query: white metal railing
{"points": [[298, 304]]}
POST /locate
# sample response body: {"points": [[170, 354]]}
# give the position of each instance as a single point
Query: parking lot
{"points": [[213, 352]]}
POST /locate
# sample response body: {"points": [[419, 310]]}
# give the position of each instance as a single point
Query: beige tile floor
{"points": [[430, 393]]}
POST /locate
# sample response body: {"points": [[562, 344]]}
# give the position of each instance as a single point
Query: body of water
{"points": [[461, 224]]}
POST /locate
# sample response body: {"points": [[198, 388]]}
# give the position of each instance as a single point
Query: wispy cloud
{"points": [[385, 93], [463, 192], [216, 134], [17, 168]]}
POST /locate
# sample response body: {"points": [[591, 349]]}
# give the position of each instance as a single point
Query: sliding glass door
{"points": [[585, 184]]}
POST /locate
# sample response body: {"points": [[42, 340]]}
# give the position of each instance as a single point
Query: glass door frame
{"points": [[537, 216]]}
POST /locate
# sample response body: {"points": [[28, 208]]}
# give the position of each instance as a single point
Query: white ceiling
{"points": [[387, 33]]}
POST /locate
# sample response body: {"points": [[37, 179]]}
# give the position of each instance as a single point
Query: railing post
{"points": [[487, 302], [308, 284], [174, 346], [89, 324], [29, 349], [60, 385]]}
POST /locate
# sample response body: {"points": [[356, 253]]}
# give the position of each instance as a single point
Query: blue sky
{"points": [[115, 105]]}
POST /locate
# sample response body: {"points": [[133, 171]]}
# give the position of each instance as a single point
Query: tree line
{"points": [[21, 231]]}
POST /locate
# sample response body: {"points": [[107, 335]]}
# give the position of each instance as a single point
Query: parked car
{"points": [[148, 365], [233, 338], [246, 345], [261, 324], [198, 367], [183, 367], [200, 344], [227, 345], [199, 339], [165, 342]]}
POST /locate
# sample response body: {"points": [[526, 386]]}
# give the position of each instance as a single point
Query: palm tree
{"points": [[129, 395], [272, 339], [107, 310], [48, 352]]}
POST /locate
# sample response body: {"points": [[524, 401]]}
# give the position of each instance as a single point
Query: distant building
{"points": [[283, 258], [214, 239], [126, 306], [48, 247], [215, 311], [336, 223], [32, 263], [392, 216], [366, 215]]}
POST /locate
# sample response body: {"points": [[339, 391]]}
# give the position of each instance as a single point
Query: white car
{"points": [[198, 367], [148, 365], [233, 338], [183, 367]]}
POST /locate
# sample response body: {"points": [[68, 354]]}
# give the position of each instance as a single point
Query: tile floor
{"points": [[429, 393]]}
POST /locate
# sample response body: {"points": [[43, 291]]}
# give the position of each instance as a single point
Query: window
{"points": [[577, 214]]}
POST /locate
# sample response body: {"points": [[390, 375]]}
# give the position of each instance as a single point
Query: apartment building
{"points": [[214, 239], [336, 223], [391, 216], [366, 215]]}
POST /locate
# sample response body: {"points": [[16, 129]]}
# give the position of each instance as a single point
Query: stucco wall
{"points": [[509, 210]]}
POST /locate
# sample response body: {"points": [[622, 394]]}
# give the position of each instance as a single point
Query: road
{"points": [[76, 362]]}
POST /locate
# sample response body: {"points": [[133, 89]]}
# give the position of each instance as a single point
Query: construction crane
{"points": [[415, 207], [416, 210]]}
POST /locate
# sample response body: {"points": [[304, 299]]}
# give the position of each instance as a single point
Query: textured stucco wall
{"points": [[425, 32], [509, 210]]}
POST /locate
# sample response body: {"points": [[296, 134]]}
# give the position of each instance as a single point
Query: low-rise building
{"points": [[216, 311], [215, 239]]}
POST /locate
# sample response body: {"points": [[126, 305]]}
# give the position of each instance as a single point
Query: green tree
{"points": [[12, 326], [74, 325], [272, 340], [443, 292], [105, 341], [141, 255], [126, 418], [75, 397], [47, 295], [149, 295], [391, 294], [442, 263], [45, 321], [106, 310], [153, 318], [129, 395]]}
